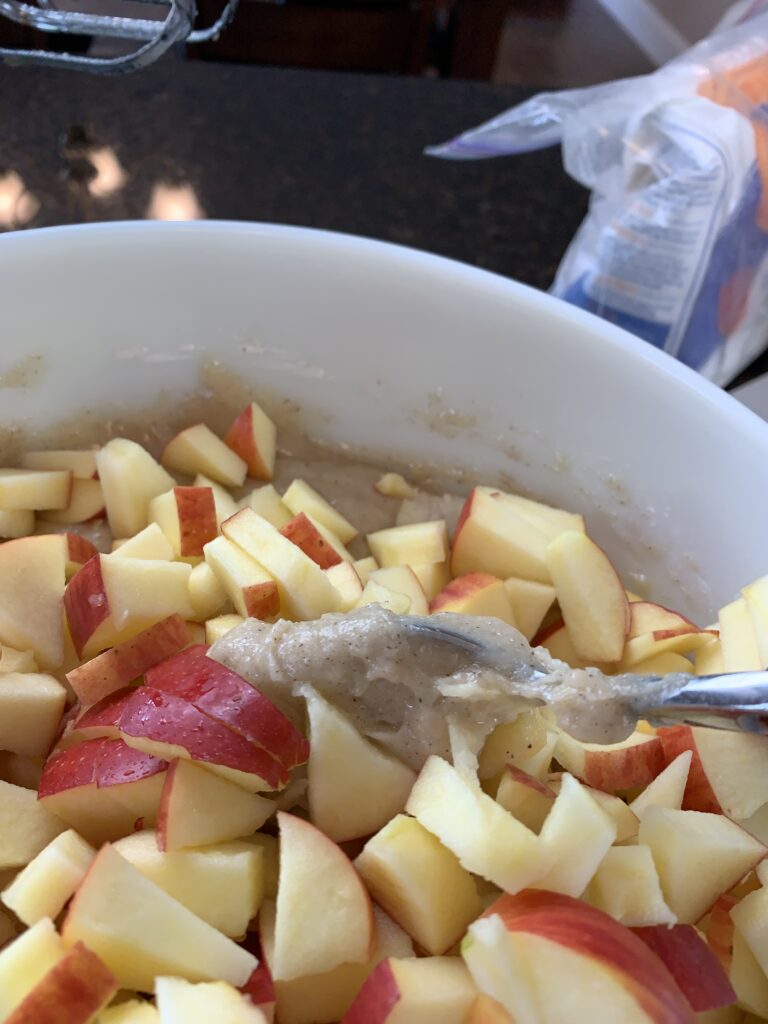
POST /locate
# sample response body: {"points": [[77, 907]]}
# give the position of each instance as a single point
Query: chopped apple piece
{"points": [[738, 640], [662, 664], [667, 788], [415, 544], [164, 725], [31, 706], [626, 886], [721, 851], [222, 883], [750, 917], [530, 603], [251, 589], [86, 502], [26, 827], [728, 772], [636, 761], [691, 963], [647, 617], [402, 580], [486, 1010], [524, 796], [197, 807], [268, 504], [81, 464], [640, 649], [130, 478], [709, 658], [476, 593], [198, 450], [414, 991], [551, 521], [487, 840], [16, 523], [317, 884], [376, 593], [181, 1002], [305, 590], [756, 597], [493, 536], [432, 576], [419, 883], [252, 436], [223, 695], [150, 543], [111, 599], [140, 932], [548, 958], [307, 535], [25, 962], [32, 573], [576, 834], [325, 998], [511, 743], [394, 485], [12, 660], [206, 592], [365, 566], [346, 580], [37, 489], [187, 517], [119, 666], [45, 885], [216, 628], [625, 820], [101, 787], [354, 787], [749, 980], [300, 497], [591, 597]]}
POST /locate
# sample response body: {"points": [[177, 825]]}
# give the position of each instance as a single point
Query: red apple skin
{"points": [[197, 518], [241, 440], [720, 929], [86, 603], [222, 694], [152, 714], [625, 768], [699, 795], [72, 992], [79, 549], [528, 780], [376, 999], [115, 668], [691, 963], [259, 988], [262, 600], [102, 761], [545, 633], [460, 588], [576, 925], [301, 532]]}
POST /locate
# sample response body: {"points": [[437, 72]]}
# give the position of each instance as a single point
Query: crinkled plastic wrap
{"points": [[675, 245]]}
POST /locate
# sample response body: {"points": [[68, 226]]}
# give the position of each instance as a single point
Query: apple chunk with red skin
{"points": [[101, 787], [728, 772], [115, 668], [252, 436], [187, 517], [476, 593], [691, 963], [547, 957], [636, 761], [168, 726], [414, 991], [222, 694], [32, 578], [74, 991], [305, 535], [86, 502]]}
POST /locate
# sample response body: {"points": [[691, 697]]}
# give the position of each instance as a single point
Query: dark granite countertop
{"points": [[328, 150]]}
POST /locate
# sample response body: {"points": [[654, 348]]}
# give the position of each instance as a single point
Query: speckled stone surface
{"points": [[328, 150]]}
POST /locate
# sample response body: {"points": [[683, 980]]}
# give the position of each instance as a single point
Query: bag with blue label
{"points": [[675, 245]]}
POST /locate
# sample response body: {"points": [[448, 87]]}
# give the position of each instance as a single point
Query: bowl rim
{"points": [[402, 257]]}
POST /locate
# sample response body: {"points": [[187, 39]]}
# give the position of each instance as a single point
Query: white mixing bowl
{"points": [[406, 355]]}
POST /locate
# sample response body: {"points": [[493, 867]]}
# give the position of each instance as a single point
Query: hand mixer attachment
{"points": [[151, 37]]}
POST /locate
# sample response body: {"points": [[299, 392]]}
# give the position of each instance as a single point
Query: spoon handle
{"points": [[736, 701]]}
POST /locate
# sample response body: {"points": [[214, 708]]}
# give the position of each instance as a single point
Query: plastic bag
{"points": [[675, 245]]}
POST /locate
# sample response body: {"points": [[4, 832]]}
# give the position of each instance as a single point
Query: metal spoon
{"points": [[737, 701]]}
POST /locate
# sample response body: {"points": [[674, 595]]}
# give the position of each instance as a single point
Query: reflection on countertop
{"points": [[329, 150]]}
